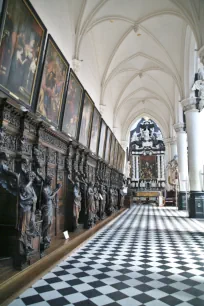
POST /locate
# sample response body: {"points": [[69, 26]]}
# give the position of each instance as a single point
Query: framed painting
{"points": [[118, 157], [148, 167], [112, 149], [86, 120], [95, 131], [72, 106], [22, 41], [122, 161], [107, 146], [52, 86], [115, 154], [102, 139]]}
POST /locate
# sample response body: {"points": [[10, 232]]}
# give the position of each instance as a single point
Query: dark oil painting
{"points": [[85, 125], [115, 154], [108, 144], [21, 45], [52, 84], [102, 139], [72, 106], [112, 149], [148, 167], [95, 131]]}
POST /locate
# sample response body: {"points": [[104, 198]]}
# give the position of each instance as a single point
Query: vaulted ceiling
{"points": [[136, 50]]}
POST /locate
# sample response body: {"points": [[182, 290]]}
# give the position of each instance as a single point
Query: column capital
{"points": [[179, 127], [190, 104]]}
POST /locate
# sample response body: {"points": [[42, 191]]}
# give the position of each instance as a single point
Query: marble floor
{"points": [[147, 256]]}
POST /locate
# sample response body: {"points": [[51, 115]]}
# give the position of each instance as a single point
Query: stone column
{"points": [[133, 168], [167, 159], [162, 168], [158, 168], [173, 147], [194, 136], [182, 165], [137, 167]]}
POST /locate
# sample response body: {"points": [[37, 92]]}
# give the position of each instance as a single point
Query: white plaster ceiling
{"points": [[136, 51]]}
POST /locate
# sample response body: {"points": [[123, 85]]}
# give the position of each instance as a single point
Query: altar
{"points": [[146, 197]]}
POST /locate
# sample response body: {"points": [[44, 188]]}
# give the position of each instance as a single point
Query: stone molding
{"points": [[179, 127]]}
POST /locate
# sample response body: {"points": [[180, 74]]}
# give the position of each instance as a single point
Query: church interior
{"points": [[101, 152]]}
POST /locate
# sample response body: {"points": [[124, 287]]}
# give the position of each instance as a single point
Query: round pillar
{"points": [[182, 165], [194, 148], [195, 152], [173, 144]]}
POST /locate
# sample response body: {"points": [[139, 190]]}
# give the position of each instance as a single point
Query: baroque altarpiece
{"points": [[147, 156]]}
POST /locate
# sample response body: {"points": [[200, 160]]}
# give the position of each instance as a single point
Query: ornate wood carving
{"points": [[39, 156]]}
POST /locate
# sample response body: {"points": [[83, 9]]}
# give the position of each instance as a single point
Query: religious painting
{"points": [[118, 158], [115, 154], [86, 119], [22, 41], [108, 144], [102, 139], [122, 159], [72, 106], [95, 131], [52, 85], [148, 167], [112, 149]]}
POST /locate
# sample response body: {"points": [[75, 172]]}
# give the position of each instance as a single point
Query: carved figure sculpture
{"points": [[111, 201], [26, 225], [90, 208], [77, 202], [102, 195], [8, 179], [96, 199], [122, 195], [47, 209], [146, 134]]}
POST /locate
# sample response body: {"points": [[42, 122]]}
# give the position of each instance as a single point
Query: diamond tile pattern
{"points": [[147, 256]]}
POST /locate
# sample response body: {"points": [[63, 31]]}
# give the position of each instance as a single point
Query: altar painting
{"points": [[148, 167]]}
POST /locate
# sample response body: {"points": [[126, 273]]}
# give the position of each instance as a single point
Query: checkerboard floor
{"points": [[147, 256]]}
